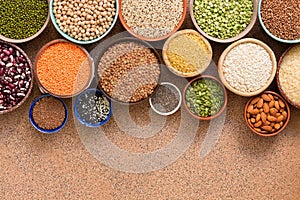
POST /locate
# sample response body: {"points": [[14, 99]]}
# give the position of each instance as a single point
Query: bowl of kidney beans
{"points": [[16, 80]]}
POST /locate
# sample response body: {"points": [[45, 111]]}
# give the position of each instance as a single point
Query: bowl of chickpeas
{"points": [[83, 21]]}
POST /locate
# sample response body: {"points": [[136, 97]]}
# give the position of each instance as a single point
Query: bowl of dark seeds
{"points": [[166, 100], [23, 20], [15, 77], [48, 114], [280, 19], [92, 108]]}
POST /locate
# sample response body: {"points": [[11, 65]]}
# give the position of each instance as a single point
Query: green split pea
{"points": [[205, 97], [223, 19], [21, 19]]}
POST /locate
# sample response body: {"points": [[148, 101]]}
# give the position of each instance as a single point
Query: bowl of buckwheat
{"points": [[83, 21], [128, 70]]}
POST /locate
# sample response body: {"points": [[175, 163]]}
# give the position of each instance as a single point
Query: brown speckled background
{"points": [[242, 165]]}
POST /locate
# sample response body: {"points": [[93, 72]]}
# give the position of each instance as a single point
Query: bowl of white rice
{"points": [[247, 67], [288, 75]]}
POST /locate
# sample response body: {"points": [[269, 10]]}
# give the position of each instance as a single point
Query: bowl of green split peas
{"points": [[223, 21], [205, 97], [23, 20]]}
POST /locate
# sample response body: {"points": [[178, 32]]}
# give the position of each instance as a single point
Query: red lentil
{"points": [[63, 68]]}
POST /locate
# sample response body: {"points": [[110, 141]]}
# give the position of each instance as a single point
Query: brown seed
{"points": [[260, 103], [248, 115], [281, 104], [265, 97], [258, 124], [255, 100], [264, 132], [271, 118], [250, 123], [281, 123], [279, 119], [271, 96], [267, 128], [267, 123], [272, 104], [272, 124], [266, 108], [257, 117], [263, 117], [273, 111], [277, 105], [252, 120], [254, 111], [250, 108], [257, 129], [277, 114], [284, 113], [277, 126]]}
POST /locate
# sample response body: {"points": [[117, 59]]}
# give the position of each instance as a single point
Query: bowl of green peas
{"points": [[23, 20], [223, 21], [205, 97]]}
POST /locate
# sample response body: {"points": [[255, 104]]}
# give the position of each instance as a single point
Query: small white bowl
{"points": [[170, 85]]}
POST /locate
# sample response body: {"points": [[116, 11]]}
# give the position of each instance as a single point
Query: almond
{"points": [[272, 104], [277, 114], [281, 104], [284, 113], [267, 128], [277, 126], [254, 111], [257, 117], [265, 97], [252, 120], [260, 103], [266, 108], [271, 96], [277, 105], [279, 119], [271, 118], [255, 100], [273, 111], [250, 108], [257, 129], [258, 124], [263, 117]]}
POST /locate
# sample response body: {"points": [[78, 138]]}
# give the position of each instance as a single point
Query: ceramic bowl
{"points": [[220, 110], [229, 48], [68, 37], [166, 58], [123, 22], [31, 82], [178, 93], [251, 126], [34, 124], [228, 40], [268, 32], [31, 37]]}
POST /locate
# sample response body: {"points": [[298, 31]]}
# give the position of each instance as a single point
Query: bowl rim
{"points": [[166, 46], [225, 97], [45, 130], [45, 90], [31, 81], [269, 33], [122, 20], [286, 122], [229, 48], [79, 118], [179, 102], [228, 40], [10, 40], [66, 36], [129, 39], [278, 79]]}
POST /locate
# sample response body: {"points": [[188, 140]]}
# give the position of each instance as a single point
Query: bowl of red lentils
{"points": [[247, 67], [63, 69], [152, 20], [128, 70], [84, 21], [16, 77], [223, 21], [280, 19], [48, 114], [187, 53]]}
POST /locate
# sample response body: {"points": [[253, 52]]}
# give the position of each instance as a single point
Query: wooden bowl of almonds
{"points": [[267, 114]]}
